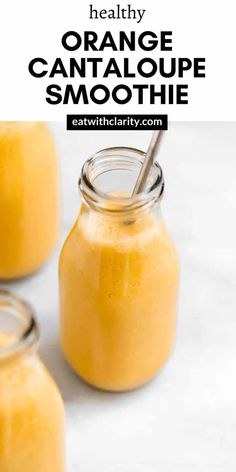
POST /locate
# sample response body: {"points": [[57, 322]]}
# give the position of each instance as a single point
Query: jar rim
{"points": [[121, 157], [29, 337]]}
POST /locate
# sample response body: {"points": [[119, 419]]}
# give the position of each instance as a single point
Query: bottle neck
{"points": [[19, 333], [108, 178]]}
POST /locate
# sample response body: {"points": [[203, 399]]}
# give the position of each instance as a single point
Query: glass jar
{"points": [[29, 197], [119, 276], [31, 408]]}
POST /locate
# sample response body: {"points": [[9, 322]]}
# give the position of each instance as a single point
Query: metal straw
{"points": [[147, 163]]}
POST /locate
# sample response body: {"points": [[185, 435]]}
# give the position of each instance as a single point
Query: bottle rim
{"points": [[119, 158], [22, 312]]}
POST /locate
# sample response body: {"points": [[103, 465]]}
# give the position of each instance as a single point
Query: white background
{"points": [[185, 420], [202, 28]]}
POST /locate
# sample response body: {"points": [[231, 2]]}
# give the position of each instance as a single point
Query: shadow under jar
{"points": [[31, 408], [119, 276]]}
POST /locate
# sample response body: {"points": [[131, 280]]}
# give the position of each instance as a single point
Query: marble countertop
{"points": [[185, 420]]}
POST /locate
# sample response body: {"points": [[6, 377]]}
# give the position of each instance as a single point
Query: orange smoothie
{"points": [[29, 197], [118, 288], [31, 416]]}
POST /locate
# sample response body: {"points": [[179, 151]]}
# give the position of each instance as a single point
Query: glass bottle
{"points": [[31, 408], [29, 197], [119, 276]]}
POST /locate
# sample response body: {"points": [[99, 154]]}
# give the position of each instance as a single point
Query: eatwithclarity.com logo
{"points": [[117, 122]]}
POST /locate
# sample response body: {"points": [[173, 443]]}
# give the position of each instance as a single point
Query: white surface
{"points": [[185, 420]]}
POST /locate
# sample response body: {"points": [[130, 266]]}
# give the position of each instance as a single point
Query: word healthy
{"points": [[117, 13]]}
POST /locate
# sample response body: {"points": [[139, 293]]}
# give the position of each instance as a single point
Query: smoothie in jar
{"points": [[29, 197], [31, 408], [119, 278]]}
